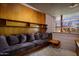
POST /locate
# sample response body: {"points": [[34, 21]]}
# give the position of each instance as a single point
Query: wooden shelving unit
{"points": [[12, 23]]}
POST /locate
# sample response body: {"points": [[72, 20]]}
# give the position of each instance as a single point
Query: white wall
{"points": [[50, 21]]}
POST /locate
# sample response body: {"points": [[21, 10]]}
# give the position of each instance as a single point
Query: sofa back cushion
{"points": [[37, 36], [44, 35], [3, 43], [22, 38], [12, 40], [30, 37]]}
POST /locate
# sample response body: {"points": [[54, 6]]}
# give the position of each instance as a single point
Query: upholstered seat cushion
{"points": [[27, 45], [39, 42], [46, 40], [12, 40], [3, 43], [11, 48]]}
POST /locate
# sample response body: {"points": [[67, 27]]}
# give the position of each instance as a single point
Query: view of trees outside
{"points": [[71, 24]]}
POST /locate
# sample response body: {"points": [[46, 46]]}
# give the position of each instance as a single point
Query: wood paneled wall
{"points": [[19, 12]]}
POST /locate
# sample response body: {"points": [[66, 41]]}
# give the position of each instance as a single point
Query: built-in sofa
{"points": [[21, 44]]}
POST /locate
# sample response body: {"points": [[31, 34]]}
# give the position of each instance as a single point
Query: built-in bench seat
{"points": [[10, 45]]}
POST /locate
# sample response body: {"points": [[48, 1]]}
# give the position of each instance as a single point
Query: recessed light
{"points": [[73, 5]]}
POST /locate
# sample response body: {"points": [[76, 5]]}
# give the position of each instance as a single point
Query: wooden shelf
{"points": [[4, 22], [14, 26]]}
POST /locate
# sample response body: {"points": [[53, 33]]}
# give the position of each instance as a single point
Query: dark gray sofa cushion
{"points": [[27, 45], [22, 38], [22, 46], [44, 35], [45, 41], [3, 43], [37, 36], [39, 42], [30, 37], [12, 40], [11, 48]]}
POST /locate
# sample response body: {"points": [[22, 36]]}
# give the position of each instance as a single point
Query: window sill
{"points": [[66, 33]]}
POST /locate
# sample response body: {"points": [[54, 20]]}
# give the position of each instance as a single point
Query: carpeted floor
{"points": [[50, 51]]}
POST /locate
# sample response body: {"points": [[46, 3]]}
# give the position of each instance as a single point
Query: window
{"points": [[71, 24], [58, 24], [68, 24]]}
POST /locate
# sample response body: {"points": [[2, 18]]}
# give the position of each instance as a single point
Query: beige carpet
{"points": [[50, 51]]}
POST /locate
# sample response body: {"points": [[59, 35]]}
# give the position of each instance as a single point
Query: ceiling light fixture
{"points": [[73, 5]]}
